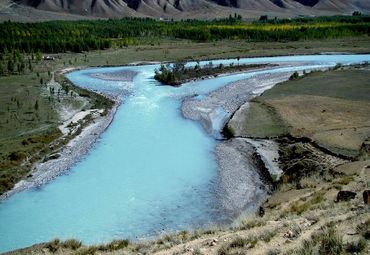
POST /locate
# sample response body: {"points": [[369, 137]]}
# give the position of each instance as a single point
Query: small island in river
{"points": [[179, 73]]}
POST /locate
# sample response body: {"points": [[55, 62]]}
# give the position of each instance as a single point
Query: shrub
{"points": [[209, 232], [298, 207], [53, 245], [263, 18], [87, 251], [356, 247], [242, 243], [344, 180], [197, 252], [16, 156], [318, 197], [238, 243], [72, 244], [273, 252], [294, 76], [364, 229], [307, 248], [251, 223], [267, 236], [222, 251], [117, 245], [183, 235], [331, 243]]}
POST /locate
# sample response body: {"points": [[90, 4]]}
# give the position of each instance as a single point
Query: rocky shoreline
{"points": [[245, 165], [217, 107], [243, 180]]}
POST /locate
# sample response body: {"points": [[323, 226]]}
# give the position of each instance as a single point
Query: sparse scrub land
{"points": [[238, 246], [75, 245], [29, 121], [328, 241], [24, 128]]}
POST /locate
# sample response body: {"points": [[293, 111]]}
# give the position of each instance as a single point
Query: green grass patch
{"points": [[260, 120], [352, 84], [344, 180], [299, 207]]}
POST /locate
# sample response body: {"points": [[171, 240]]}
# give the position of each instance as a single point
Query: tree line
{"points": [[79, 36]]}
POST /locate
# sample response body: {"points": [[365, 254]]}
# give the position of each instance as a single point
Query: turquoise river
{"points": [[151, 171]]}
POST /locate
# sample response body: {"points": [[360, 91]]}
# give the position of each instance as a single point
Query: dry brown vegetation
{"points": [[330, 108], [322, 226]]}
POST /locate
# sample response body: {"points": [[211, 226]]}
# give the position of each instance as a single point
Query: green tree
{"points": [[20, 67], [1, 68], [356, 13], [38, 56], [263, 18], [294, 76], [10, 66], [30, 65]]}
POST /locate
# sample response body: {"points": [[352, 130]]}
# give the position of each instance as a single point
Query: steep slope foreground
{"points": [[198, 8]]}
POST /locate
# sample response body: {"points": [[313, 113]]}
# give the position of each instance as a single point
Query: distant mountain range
{"points": [[187, 8]]}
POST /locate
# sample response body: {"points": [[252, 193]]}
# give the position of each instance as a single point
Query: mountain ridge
{"points": [[204, 9]]}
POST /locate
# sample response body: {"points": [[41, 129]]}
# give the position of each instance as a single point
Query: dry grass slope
{"points": [[331, 108]]}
